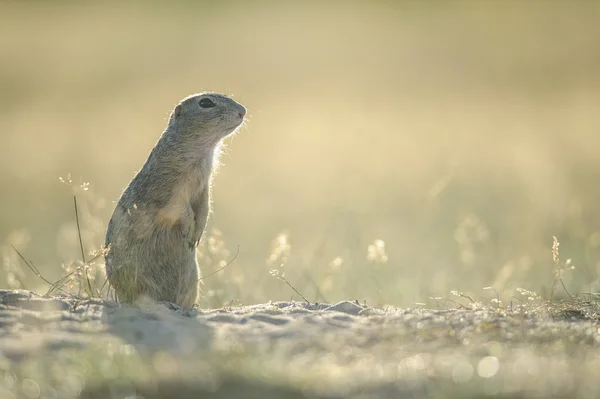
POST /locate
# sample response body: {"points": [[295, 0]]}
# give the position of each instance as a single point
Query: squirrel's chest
{"points": [[186, 191]]}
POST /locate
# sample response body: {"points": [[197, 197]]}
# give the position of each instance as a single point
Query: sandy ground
{"points": [[65, 347]]}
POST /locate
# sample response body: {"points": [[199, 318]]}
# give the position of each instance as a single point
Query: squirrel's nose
{"points": [[242, 112]]}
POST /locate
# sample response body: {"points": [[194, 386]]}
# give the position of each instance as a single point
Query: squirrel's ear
{"points": [[177, 111]]}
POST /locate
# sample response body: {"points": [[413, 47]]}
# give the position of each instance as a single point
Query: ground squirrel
{"points": [[159, 219]]}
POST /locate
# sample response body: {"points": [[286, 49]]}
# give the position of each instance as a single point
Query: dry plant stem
{"points": [[56, 285], [89, 284], [554, 285], [559, 268], [589, 277], [31, 266], [458, 304], [461, 295], [496, 292], [318, 290], [565, 288], [78, 228], [36, 271], [87, 278], [295, 290], [437, 301], [59, 283], [221, 268], [102, 288]]}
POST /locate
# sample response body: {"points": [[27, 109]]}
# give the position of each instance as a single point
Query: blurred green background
{"points": [[395, 150]]}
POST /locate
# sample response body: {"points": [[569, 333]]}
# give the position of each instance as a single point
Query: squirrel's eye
{"points": [[206, 103]]}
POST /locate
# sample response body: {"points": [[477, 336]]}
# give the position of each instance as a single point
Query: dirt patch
{"points": [[67, 347]]}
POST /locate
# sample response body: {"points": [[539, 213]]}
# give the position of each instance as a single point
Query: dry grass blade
{"points": [[102, 288], [87, 278], [319, 293], [57, 286], [560, 267], [295, 290], [223, 267], [565, 288], [78, 228], [37, 272], [63, 280], [462, 295]]}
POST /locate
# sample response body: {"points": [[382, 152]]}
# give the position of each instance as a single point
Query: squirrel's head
{"points": [[207, 117]]}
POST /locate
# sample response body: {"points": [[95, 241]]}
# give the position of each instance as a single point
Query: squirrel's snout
{"points": [[242, 111]]}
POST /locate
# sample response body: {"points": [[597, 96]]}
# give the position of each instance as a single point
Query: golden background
{"points": [[395, 151]]}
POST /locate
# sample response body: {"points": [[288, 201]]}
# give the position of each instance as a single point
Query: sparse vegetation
{"points": [[424, 160], [464, 152]]}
